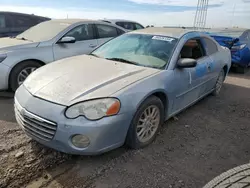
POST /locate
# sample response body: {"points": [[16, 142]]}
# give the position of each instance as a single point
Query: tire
{"points": [[14, 75], [219, 83], [236, 177], [152, 105]]}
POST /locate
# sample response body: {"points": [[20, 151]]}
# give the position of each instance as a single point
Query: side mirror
{"points": [[67, 40], [186, 63]]}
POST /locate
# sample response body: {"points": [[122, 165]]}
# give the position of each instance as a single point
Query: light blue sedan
{"points": [[122, 92]]}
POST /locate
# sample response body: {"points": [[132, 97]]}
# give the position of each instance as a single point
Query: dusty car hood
{"points": [[12, 43], [79, 78]]}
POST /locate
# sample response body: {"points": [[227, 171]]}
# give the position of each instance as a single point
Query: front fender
{"points": [[133, 96]]}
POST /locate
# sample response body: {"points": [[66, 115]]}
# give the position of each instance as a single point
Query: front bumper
{"points": [[4, 76], [104, 135]]}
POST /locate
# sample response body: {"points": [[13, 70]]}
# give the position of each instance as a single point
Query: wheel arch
{"points": [[35, 60], [225, 68], [162, 95]]}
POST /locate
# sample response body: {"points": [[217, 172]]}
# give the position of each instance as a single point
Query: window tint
{"points": [[121, 24], [193, 49], [82, 32], [21, 21], [106, 31], [211, 47], [126, 25], [119, 31], [2, 21], [138, 26]]}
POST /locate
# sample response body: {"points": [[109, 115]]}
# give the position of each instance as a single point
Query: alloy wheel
{"points": [[148, 123], [24, 74]]}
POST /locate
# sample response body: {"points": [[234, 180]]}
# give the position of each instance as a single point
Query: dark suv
{"points": [[12, 23]]}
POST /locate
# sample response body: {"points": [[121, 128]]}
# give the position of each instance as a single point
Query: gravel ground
{"points": [[202, 142]]}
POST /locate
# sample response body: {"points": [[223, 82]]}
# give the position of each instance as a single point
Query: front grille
{"points": [[35, 126]]}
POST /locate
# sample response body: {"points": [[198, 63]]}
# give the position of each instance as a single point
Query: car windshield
{"points": [[43, 31], [140, 49]]}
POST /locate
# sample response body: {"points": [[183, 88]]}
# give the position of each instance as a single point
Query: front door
{"points": [[191, 82], [85, 42]]}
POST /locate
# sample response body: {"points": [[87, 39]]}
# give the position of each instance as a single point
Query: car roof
{"points": [[71, 21], [119, 20], [22, 14], [171, 32]]}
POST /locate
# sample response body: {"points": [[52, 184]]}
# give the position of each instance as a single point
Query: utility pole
{"points": [[232, 20], [201, 14]]}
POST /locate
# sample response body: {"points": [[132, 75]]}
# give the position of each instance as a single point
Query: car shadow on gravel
{"points": [[6, 107]]}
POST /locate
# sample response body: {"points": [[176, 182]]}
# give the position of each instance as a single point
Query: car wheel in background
{"points": [[146, 123], [219, 83], [236, 177], [20, 72]]}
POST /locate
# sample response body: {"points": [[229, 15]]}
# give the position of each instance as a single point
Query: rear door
{"points": [[85, 42], [106, 32]]}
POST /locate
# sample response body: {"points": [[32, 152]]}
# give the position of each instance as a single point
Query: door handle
{"points": [[92, 46]]}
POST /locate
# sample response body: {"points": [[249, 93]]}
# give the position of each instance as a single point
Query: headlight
{"points": [[94, 109], [239, 47], [2, 57]]}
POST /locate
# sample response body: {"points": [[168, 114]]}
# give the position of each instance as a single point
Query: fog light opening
{"points": [[80, 141]]}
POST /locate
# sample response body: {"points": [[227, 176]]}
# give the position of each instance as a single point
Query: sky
{"points": [[221, 13]]}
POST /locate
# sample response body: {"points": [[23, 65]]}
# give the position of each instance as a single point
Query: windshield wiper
{"points": [[123, 60], [94, 55]]}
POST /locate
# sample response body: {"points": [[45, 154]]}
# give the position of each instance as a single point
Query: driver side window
{"points": [[193, 49], [82, 32]]}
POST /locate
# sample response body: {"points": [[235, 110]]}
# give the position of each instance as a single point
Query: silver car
{"points": [[122, 92], [47, 42], [126, 24]]}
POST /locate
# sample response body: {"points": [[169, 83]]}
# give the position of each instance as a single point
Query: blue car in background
{"points": [[238, 41]]}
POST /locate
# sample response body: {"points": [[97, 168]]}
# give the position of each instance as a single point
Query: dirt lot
{"points": [[205, 140]]}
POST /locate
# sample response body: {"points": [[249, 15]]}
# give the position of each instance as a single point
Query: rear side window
{"points": [[21, 21], [2, 21], [138, 26], [126, 25], [106, 31], [211, 46], [121, 24], [119, 31]]}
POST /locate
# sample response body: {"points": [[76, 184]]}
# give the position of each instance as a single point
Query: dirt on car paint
{"points": [[199, 144]]}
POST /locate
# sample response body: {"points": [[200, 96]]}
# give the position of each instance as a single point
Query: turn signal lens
{"points": [[113, 109]]}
